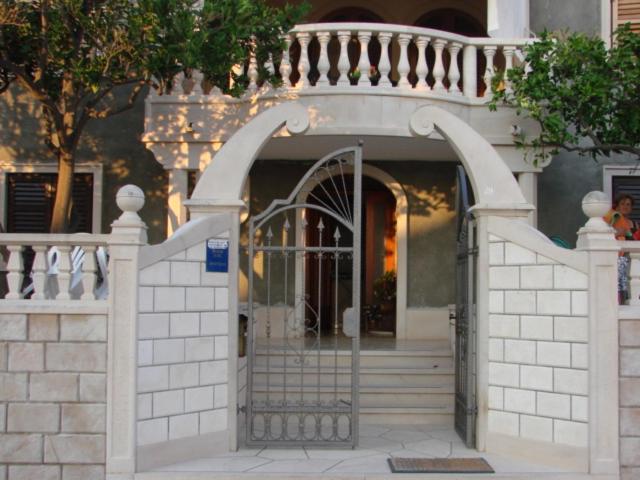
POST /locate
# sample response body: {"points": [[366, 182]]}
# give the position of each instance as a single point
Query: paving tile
{"points": [[283, 454], [371, 464], [403, 436], [295, 466], [380, 444], [432, 447], [218, 464]]}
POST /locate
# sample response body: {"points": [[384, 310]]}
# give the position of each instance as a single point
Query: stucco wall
{"points": [[430, 191], [52, 396], [538, 329], [630, 399], [575, 15], [561, 187], [113, 142]]}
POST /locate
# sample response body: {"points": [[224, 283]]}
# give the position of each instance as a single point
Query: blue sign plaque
{"points": [[218, 255]]}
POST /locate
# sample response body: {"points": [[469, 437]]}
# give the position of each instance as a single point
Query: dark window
{"points": [[629, 185], [30, 198]]}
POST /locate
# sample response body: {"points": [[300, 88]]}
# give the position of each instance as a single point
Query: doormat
{"points": [[439, 465]]}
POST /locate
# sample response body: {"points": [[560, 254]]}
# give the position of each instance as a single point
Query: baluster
{"points": [[438, 67], [39, 272], [403, 62], [197, 77], [470, 69], [252, 72], [364, 64], [89, 273], [269, 66], [14, 267], [64, 272], [508, 51], [385, 65], [303, 63], [177, 87], [489, 72], [634, 279], [454, 71], [285, 63], [343, 61], [422, 69], [323, 61]]}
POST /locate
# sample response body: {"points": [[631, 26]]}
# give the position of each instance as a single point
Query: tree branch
{"points": [[110, 111]]}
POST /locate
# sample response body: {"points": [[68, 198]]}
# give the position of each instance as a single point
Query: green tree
{"points": [[73, 56], [583, 96]]}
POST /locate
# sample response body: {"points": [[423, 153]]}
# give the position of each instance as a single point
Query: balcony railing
{"points": [[366, 55]]}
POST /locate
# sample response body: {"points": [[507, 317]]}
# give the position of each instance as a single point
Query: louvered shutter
{"points": [[30, 198], [627, 11]]}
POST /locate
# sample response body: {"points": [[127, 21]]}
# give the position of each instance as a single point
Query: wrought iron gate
{"points": [[304, 310], [465, 351]]}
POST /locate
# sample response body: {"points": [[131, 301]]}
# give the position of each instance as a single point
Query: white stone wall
{"points": [[52, 396], [538, 329], [630, 398], [182, 348]]}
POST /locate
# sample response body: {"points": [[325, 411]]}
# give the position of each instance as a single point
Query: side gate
{"points": [[465, 351], [304, 310]]}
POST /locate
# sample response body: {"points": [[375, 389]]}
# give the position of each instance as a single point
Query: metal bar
{"points": [[301, 249], [250, 340], [357, 232]]}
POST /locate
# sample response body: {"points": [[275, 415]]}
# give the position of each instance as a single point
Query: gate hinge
{"points": [[241, 409]]}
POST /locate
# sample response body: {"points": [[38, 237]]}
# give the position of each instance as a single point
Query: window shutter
{"points": [[627, 11], [30, 199]]}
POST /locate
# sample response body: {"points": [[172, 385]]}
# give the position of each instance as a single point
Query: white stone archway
{"points": [[496, 190]]}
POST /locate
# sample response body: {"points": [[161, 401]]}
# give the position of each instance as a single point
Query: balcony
{"points": [[374, 58]]}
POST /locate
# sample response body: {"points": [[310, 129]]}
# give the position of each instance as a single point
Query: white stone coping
{"points": [[526, 236], [355, 27], [188, 235], [55, 307], [73, 239], [629, 312]]}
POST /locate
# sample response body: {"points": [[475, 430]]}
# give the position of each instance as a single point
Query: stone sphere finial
{"points": [[130, 200], [596, 204]]}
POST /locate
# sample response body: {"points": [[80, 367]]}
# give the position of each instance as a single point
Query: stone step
{"points": [[370, 361]]}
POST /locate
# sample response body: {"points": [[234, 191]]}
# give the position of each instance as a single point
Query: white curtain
{"points": [[508, 18]]}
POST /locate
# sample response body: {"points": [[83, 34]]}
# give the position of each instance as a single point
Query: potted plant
{"points": [[384, 291]]}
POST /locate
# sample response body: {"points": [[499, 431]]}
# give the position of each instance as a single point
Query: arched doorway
{"points": [[379, 248]]}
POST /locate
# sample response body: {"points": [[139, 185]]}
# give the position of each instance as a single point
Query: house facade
{"points": [[380, 124]]}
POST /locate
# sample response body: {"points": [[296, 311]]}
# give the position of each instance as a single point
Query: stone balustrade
{"points": [[53, 267], [633, 250], [365, 55]]}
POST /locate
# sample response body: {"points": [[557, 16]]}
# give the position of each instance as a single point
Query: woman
{"points": [[625, 229]]}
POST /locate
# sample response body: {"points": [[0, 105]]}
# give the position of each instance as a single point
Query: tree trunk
{"points": [[64, 188]]}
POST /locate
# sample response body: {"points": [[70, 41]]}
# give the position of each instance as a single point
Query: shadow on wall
{"points": [[114, 142]]}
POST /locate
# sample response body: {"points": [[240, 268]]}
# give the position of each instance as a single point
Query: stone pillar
{"points": [[528, 182], [596, 238], [128, 234], [178, 189]]}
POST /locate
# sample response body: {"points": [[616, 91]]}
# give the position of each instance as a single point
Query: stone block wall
{"points": [[182, 349], [630, 399], [52, 396], [538, 329]]}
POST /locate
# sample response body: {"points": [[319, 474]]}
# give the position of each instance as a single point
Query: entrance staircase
{"points": [[400, 382]]}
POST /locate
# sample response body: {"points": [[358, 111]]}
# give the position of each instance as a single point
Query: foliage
{"points": [[384, 287], [73, 55], [583, 96]]}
